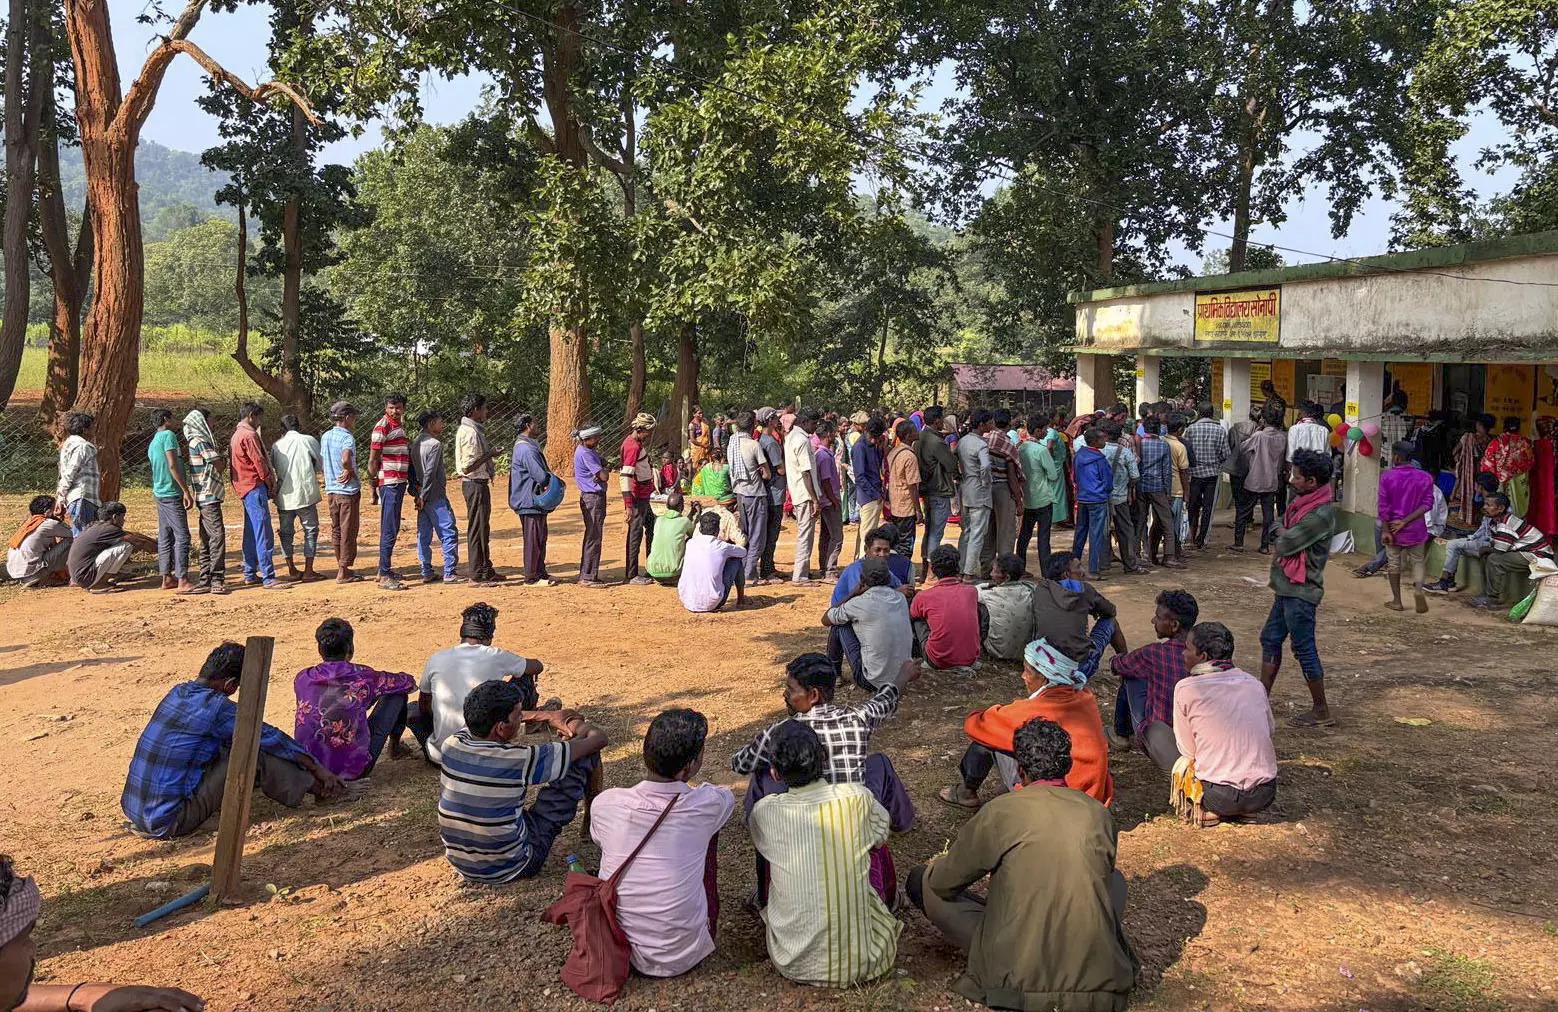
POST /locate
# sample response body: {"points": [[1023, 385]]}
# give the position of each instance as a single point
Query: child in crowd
{"points": [[825, 924], [334, 719], [488, 834]]}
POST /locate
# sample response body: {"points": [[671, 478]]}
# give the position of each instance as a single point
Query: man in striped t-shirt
{"points": [[489, 836], [1516, 544], [389, 462]]}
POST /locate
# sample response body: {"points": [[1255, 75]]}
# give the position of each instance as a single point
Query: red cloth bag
{"points": [[598, 964]]}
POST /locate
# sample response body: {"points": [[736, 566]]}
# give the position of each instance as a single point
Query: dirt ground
{"points": [[1404, 867]]}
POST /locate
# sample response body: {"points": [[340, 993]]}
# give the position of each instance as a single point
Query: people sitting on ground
{"points": [[1048, 933], [713, 478], [871, 628], [948, 626], [711, 568], [672, 529], [668, 898], [347, 712], [668, 478], [1055, 691], [1223, 729], [450, 675], [179, 769], [879, 545], [37, 555], [1517, 543], [20, 903], [1062, 605], [1008, 600], [100, 551], [1472, 548], [810, 683], [826, 924], [489, 835], [1144, 706]]}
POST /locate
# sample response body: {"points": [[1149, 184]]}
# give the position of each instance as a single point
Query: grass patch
{"points": [[206, 374], [1454, 983]]}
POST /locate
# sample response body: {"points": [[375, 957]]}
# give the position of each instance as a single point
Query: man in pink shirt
{"points": [[668, 898], [253, 483], [1406, 494], [1223, 728], [945, 615]]}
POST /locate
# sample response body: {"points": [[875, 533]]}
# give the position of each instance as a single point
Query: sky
{"points": [[238, 41]]}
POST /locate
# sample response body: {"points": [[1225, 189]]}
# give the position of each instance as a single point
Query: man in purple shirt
{"points": [[712, 568], [1406, 494], [589, 475], [334, 720], [830, 500]]}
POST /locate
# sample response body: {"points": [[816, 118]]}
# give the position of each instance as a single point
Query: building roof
{"points": [[1534, 244], [1010, 376]]}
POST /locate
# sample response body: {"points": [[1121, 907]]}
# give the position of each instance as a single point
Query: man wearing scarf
{"points": [[1222, 727], [39, 550], [205, 479], [1299, 552]]}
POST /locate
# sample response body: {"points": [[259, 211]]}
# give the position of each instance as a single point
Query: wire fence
{"points": [[29, 450]]}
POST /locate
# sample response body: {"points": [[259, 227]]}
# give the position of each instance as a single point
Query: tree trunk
{"points": [[272, 385], [298, 398], [23, 106], [1243, 185], [568, 393], [1104, 230], [881, 359], [69, 272], [635, 401], [684, 396]]}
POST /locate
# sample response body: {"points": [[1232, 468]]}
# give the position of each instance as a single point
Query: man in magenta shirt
{"points": [[946, 615], [668, 899], [1406, 494]]}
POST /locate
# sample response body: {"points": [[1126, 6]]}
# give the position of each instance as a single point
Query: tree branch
{"points": [[539, 137], [616, 165], [142, 95], [681, 212]]}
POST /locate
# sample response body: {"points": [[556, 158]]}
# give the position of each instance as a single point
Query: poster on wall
{"points": [[1510, 391], [1333, 367], [1284, 372], [1547, 390], [1217, 385], [1416, 380], [1260, 372], [1252, 317], [1327, 390]]}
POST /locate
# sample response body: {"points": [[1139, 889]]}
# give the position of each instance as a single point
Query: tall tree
{"points": [[110, 119], [29, 77]]}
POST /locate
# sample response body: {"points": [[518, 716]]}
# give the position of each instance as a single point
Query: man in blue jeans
{"points": [[1299, 552], [389, 462], [1095, 483], [429, 487]]}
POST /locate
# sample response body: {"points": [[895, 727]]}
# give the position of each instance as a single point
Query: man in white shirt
{"points": [[800, 471], [451, 674], [296, 460], [668, 897], [1310, 433]]}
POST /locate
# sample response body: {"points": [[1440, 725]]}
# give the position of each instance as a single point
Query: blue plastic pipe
{"points": [[173, 906]]}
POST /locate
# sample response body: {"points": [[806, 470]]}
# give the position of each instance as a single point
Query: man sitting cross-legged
{"points": [[1055, 691], [668, 899], [711, 569], [825, 922], [488, 834], [809, 685], [450, 675], [1008, 600], [1144, 707], [1062, 604], [180, 765], [1047, 936], [334, 719], [1223, 727], [877, 618], [947, 621], [843, 642]]}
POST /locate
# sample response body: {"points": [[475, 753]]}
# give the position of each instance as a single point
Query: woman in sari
{"points": [[700, 439], [1509, 458], [1544, 480], [1060, 450], [1468, 461]]}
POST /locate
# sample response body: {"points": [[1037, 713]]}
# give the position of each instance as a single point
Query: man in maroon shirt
{"points": [[947, 617], [637, 482], [253, 483]]}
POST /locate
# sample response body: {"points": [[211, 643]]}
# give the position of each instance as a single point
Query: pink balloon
{"points": [[1370, 429]]}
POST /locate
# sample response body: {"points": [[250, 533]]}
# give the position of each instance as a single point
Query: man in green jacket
{"points": [[1298, 556], [1043, 477], [1048, 937]]}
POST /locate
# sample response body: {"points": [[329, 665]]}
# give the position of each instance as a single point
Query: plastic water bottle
{"points": [[574, 864]]}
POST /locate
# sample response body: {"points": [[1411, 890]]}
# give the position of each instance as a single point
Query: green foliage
{"points": [[168, 179], [189, 278]]}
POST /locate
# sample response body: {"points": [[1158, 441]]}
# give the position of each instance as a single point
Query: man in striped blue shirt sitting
{"points": [[489, 836]]}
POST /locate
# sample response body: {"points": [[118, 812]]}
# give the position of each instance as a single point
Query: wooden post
{"points": [[242, 761]]}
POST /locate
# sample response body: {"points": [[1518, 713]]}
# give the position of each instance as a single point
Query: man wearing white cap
{"points": [[589, 476], [636, 480]]}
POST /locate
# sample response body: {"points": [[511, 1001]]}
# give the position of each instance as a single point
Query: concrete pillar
{"points": [[1095, 383], [1148, 369], [1365, 399], [1236, 390]]}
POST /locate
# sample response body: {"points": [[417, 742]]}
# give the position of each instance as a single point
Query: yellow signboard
{"points": [[1511, 391], [1252, 317], [1217, 385], [1416, 380]]}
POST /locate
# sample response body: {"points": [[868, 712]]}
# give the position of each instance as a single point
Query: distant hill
{"points": [[175, 188]]}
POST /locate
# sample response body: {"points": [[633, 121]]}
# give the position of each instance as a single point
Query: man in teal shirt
{"points": [[170, 487], [1042, 476]]}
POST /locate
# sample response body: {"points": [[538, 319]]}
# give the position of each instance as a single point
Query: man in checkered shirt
{"points": [[1207, 441], [809, 684], [1394, 427]]}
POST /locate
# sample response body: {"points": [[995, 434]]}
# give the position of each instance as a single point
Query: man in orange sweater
{"points": [[1057, 693]]}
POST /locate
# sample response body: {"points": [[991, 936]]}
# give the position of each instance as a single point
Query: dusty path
{"points": [[1411, 867]]}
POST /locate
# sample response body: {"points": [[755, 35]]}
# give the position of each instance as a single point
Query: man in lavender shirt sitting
{"points": [[1406, 494], [711, 568], [1223, 730]]}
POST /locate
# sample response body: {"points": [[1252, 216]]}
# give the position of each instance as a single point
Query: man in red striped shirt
{"points": [[389, 462], [1516, 544]]}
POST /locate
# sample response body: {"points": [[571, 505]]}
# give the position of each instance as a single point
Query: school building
{"points": [[1473, 328]]}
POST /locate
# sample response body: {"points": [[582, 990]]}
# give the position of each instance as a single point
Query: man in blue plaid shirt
{"points": [[1207, 441], [180, 765], [1154, 499]]}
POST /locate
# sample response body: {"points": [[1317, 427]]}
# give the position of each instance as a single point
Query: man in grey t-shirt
{"points": [[429, 481], [873, 624], [974, 462]]}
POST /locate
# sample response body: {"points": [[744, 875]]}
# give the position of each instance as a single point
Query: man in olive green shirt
{"points": [[1043, 477], [669, 547]]}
